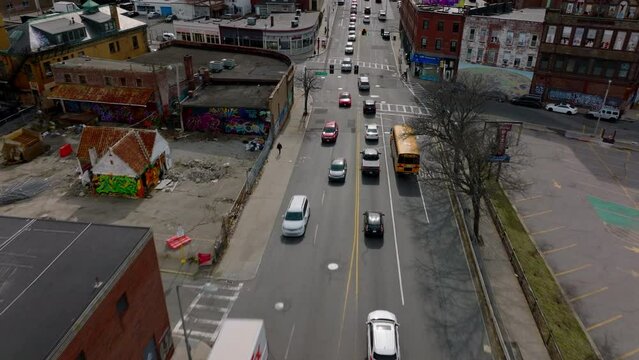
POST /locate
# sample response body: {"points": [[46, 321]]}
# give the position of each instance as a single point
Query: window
{"points": [[108, 81], [482, 35], [619, 40], [494, 37], [550, 35], [424, 42], [533, 41], [509, 37], [579, 9], [9, 5], [471, 34], [67, 78], [506, 58], [122, 81], [517, 62], [81, 356], [25, 3], [624, 68], [109, 26], [65, 58], [576, 39], [492, 55], [112, 48], [198, 37], [480, 55], [610, 69], [440, 26], [565, 35], [597, 68], [469, 54], [455, 27], [80, 53], [569, 7], [82, 79], [425, 24], [138, 82], [522, 39], [632, 42], [570, 65], [590, 37], [117, 45], [582, 66], [134, 40], [529, 62], [632, 12], [606, 39], [122, 305], [438, 44], [544, 62], [559, 63]]}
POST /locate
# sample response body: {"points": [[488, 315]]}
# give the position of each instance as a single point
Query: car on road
{"points": [[337, 171], [386, 35], [371, 132], [363, 84], [131, 14], [351, 37], [370, 106], [370, 162], [330, 131], [351, 27], [170, 18], [383, 335], [562, 108], [367, 19], [354, 9], [496, 95], [382, 15], [347, 64], [153, 15], [353, 18], [367, 10], [296, 216], [533, 101], [373, 223], [349, 49], [606, 113], [345, 99]]}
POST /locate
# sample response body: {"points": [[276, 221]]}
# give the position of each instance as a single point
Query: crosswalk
{"points": [[361, 64], [204, 315], [404, 109]]}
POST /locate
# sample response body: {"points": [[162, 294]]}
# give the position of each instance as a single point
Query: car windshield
{"points": [[372, 130], [344, 96], [293, 215], [371, 156], [337, 167], [384, 357], [329, 129]]}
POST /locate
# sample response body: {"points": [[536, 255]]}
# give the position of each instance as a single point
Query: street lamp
{"points": [[177, 88], [600, 109], [209, 288]]}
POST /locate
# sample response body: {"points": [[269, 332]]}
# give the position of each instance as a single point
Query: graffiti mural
{"points": [[115, 113], [152, 176], [118, 185], [581, 99], [229, 120]]}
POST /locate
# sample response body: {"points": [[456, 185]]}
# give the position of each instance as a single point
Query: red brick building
{"points": [[584, 46], [431, 37], [92, 292]]}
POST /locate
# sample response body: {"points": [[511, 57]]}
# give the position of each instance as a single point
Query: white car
{"points": [[372, 132], [153, 15], [352, 37], [367, 19], [347, 65], [348, 49], [383, 336], [562, 108], [351, 26], [167, 36], [296, 217]]}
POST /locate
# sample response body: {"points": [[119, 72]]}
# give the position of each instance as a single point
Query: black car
{"points": [[373, 223], [528, 100], [170, 18], [369, 107], [386, 35]]}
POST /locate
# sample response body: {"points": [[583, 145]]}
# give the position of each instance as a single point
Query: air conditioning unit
{"points": [[250, 21], [298, 12], [294, 23]]}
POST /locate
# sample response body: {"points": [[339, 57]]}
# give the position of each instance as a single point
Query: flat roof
{"points": [[248, 66], [48, 270], [102, 64], [532, 15], [281, 22], [56, 26], [232, 96]]}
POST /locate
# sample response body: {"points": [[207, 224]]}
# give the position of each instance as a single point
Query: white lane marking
{"points": [[315, 237], [423, 202], [374, 96], [399, 270], [290, 338], [323, 193]]}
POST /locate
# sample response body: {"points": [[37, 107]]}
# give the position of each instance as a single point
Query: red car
{"points": [[345, 99], [330, 131]]}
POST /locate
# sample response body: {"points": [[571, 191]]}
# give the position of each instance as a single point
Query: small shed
{"points": [[22, 145]]}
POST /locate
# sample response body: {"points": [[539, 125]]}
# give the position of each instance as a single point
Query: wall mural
{"points": [[116, 113], [228, 120], [583, 100], [119, 185]]}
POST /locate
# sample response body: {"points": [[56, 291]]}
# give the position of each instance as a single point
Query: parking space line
{"points": [[528, 198], [599, 187], [628, 354], [612, 174], [536, 214], [566, 272], [583, 296], [605, 322], [552, 251], [547, 230]]}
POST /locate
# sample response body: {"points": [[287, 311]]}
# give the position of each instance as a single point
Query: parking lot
{"points": [[582, 211]]}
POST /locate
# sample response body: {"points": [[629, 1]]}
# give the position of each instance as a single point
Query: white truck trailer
{"points": [[240, 339]]}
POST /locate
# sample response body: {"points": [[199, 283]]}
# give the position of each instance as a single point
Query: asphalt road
{"points": [[315, 292]]}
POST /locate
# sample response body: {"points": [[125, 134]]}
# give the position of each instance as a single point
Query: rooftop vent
{"points": [[298, 12], [294, 23], [250, 21]]}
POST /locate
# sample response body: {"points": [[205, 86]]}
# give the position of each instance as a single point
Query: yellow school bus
{"points": [[404, 150]]}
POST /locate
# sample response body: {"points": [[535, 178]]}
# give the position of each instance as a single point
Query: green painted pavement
{"points": [[615, 214]]}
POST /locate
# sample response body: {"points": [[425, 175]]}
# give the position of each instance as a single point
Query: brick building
{"points": [[586, 44], [73, 291], [431, 36], [508, 40]]}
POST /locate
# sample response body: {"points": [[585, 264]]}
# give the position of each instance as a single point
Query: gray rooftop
{"points": [[47, 275], [281, 22], [98, 17], [248, 66], [532, 15], [232, 96], [102, 64], [57, 26]]}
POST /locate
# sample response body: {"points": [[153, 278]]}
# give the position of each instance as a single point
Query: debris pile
{"points": [[24, 189], [198, 171], [255, 144]]}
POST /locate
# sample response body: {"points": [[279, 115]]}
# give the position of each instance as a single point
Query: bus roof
{"points": [[405, 140]]}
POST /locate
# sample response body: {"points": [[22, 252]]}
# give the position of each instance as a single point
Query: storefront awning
{"points": [[102, 95]]}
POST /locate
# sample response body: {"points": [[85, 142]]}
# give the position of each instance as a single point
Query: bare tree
{"points": [[309, 83], [458, 142]]}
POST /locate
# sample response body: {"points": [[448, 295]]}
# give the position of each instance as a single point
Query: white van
{"points": [[606, 113], [296, 216], [363, 83], [382, 15]]}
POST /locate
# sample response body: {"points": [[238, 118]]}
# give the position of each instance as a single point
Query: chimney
{"points": [[272, 21], [5, 43], [115, 16], [188, 69]]}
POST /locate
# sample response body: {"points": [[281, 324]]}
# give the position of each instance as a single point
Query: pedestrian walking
{"points": [[279, 149]]}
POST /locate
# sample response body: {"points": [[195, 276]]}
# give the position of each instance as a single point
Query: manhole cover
{"points": [[333, 266]]}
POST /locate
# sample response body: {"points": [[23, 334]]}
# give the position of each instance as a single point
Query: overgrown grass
{"points": [[570, 337]]}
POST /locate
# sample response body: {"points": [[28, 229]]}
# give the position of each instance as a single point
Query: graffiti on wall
{"points": [[229, 120], [115, 113], [581, 99], [152, 176], [118, 185]]}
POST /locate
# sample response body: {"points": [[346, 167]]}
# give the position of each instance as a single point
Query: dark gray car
{"points": [[337, 171]]}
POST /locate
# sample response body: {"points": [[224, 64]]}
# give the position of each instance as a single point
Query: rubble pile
{"points": [[198, 171]]}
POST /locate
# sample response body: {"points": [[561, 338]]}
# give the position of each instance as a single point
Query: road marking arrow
{"points": [[556, 184], [633, 249]]}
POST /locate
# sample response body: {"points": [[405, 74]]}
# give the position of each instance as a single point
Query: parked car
{"points": [[330, 131], [296, 216], [496, 95], [562, 108], [369, 106], [153, 15], [363, 84], [131, 14], [351, 26], [170, 18], [373, 223], [367, 19], [386, 35], [371, 132], [528, 100], [606, 113], [351, 37], [349, 49], [367, 10], [345, 99], [382, 335], [337, 171], [370, 162], [382, 15], [167, 36], [347, 64]]}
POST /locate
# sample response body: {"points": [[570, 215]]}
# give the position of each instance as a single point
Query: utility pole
{"points": [[600, 109]]}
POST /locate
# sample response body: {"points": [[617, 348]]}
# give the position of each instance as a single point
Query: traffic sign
{"points": [[321, 73]]}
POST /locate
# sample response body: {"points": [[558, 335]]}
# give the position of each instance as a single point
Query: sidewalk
{"points": [[246, 247]]}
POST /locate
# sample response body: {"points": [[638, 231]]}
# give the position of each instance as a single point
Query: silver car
{"points": [[348, 49], [371, 132], [351, 37], [383, 335], [337, 171], [347, 64]]}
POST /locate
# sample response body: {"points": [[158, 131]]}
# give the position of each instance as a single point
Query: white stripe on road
{"points": [[290, 339]]}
